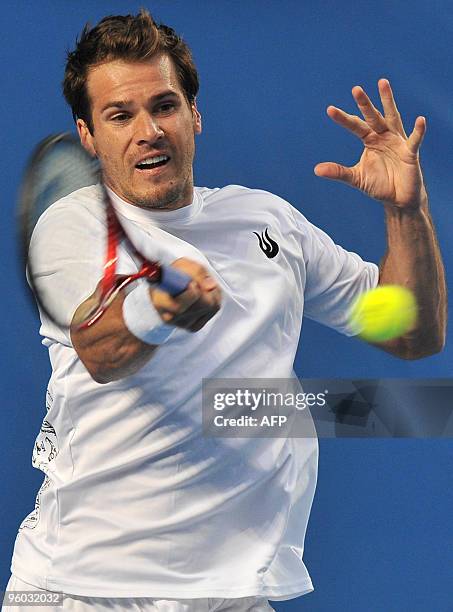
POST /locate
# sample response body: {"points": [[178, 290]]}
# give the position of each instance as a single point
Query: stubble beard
{"points": [[167, 199]]}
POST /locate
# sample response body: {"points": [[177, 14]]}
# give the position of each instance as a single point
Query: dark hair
{"points": [[127, 37]]}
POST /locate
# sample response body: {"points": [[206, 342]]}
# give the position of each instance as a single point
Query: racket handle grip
{"points": [[173, 281]]}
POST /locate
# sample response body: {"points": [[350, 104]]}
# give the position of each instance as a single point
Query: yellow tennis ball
{"points": [[384, 313]]}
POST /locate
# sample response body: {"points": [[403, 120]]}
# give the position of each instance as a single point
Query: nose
{"points": [[147, 129]]}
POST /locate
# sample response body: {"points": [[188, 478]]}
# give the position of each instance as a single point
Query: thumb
{"points": [[335, 172]]}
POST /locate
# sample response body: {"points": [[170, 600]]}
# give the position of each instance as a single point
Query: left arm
{"points": [[389, 171], [413, 260]]}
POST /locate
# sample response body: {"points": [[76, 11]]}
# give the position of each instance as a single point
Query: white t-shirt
{"points": [[136, 501]]}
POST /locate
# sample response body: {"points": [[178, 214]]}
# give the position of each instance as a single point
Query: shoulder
{"points": [[72, 223], [80, 209], [85, 203], [239, 192], [243, 199]]}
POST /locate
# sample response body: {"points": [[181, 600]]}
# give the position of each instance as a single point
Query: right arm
{"points": [[109, 351]]}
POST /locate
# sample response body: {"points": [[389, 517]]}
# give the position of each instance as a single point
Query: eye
{"points": [[166, 108], [120, 117]]}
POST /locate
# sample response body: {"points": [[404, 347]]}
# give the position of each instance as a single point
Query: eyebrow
{"points": [[126, 103]]}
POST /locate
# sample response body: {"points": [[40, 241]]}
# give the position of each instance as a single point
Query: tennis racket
{"points": [[58, 166]]}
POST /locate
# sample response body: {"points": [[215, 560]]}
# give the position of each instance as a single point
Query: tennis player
{"points": [[138, 509]]}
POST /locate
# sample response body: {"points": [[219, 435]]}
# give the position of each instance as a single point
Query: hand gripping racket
{"points": [[58, 166]]}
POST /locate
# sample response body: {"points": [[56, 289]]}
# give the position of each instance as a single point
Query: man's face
{"points": [[139, 112]]}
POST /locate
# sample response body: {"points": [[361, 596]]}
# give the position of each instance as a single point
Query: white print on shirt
{"points": [[44, 451], [49, 400], [32, 519]]}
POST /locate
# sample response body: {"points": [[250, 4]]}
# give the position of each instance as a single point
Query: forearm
{"points": [[413, 260], [108, 349], [112, 348]]}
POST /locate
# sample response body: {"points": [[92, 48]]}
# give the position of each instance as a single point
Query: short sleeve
{"points": [[67, 251], [334, 277]]}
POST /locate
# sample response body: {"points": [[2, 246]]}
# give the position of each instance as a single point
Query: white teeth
{"points": [[153, 160]]}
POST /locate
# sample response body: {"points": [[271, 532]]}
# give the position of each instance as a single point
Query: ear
{"points": [[196, 118], [86, 138]]}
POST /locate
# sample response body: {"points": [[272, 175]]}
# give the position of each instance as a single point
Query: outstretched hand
{"points": [[389, 168]]}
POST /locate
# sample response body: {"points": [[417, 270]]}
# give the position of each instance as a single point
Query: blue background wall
{"points": [[380, 534]]}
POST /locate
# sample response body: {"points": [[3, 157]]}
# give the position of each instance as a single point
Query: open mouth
{"points": [[151, 163]]}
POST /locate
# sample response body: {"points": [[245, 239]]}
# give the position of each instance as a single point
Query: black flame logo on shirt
{"points": [[267, 245]]}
